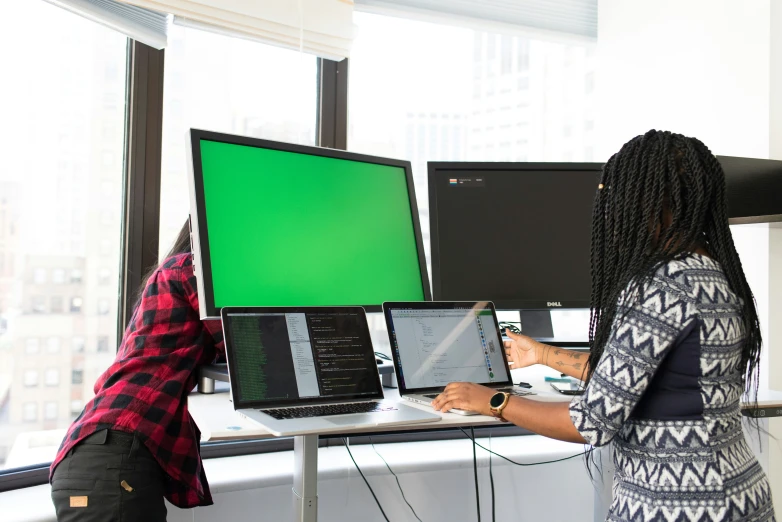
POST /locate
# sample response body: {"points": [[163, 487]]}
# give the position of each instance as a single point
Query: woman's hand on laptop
{"points": [[523, 351], [464, 396]]}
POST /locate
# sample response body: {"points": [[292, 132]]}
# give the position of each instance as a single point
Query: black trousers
{"points": [[109, 477]]}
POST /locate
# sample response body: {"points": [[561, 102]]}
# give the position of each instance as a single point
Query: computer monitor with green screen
{"points": [[275, 224]]}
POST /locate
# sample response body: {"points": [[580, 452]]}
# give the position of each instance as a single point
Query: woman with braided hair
{"points": [[675, 343]]}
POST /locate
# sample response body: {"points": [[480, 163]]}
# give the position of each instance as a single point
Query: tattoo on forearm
{"points": [[577, 366], [568, 353]]}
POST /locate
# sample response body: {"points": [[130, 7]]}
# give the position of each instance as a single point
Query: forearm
{"points": [[569, 362], [550, 419]]}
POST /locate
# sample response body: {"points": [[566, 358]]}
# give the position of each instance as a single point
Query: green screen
{"points": [[290, 229]]}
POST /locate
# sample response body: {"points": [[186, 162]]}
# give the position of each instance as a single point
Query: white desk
{"points": [[217, 421]]}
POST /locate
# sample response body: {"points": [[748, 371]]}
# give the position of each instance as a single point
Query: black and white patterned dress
{"points": [[666, 392]]}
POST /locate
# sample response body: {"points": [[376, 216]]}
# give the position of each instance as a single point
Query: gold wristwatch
{"points": [[497, 404]]}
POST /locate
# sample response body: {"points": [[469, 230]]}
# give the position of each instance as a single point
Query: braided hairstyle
{"points": [[660, 197]]}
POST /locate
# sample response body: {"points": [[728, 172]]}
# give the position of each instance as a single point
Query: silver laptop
{"points": [[298, 371], [436, 343]]}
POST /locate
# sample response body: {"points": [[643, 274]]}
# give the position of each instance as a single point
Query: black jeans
{"points": [[109, 477]]}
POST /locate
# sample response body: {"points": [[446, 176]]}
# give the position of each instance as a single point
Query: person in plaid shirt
{"points": [[135, 442]]}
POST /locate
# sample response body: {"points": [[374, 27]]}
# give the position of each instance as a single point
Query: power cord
{"points": [[347, 447], [491, 472], [397, 480], [513, 461], [491, 480], [381, 355], [475, 470]]}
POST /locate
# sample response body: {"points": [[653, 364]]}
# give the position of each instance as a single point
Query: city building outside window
{"points": [[200, 64], [60, 119]]}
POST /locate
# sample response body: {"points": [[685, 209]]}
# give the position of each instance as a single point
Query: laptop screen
{"points": [[279, 357], [438, 343]]}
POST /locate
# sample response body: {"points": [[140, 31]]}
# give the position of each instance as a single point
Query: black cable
{"points": [[365, 479], [475, 470], [510, 325], [491, 481], [513, 461], [397, 480]]}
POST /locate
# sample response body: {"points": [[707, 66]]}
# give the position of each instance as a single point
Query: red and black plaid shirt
{"points": [[145, 390]]}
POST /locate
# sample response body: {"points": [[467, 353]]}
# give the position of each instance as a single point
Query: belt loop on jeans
{"points": [[134, 449]]}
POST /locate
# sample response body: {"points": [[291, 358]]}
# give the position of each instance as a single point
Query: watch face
{"points": [[496, 400]]}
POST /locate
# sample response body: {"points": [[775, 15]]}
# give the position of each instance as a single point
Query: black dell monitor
{"points": [[276, 224], [517, 234]]}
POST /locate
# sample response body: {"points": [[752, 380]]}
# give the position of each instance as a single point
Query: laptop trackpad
{"points": [[351, 420]]}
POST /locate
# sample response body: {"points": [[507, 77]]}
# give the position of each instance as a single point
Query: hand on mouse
{"points": [[523, 351]]}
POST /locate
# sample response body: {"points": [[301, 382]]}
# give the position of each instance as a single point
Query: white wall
{"points": [[696, 67]]}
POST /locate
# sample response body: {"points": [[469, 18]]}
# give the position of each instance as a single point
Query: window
{"points": [[52, 377], [32, 346], [225, 84], [64, 114], [38, 304], [30, 412], [77, 344], [104, 276], [103, 344], [436, 76], [31, 378], [50, 410], [103, 306], [76, 303], [53, 345], [76, 407], [77, 376], [589, 83], [39, 276], [506, 54]]}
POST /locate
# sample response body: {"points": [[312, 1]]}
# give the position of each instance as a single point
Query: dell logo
{"points": [[554, 304]]}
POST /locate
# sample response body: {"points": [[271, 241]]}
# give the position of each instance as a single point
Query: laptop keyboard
{"points": [[325, 410], [518, 392]]}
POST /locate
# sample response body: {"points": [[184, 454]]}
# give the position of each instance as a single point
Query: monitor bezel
{"points": [[199, 226], [228, 340], [434, 170], [389, 307]]}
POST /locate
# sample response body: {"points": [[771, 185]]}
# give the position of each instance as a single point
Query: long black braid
{"points": [[662, 196]]}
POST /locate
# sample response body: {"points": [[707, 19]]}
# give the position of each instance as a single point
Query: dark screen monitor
{"points": [[517, 234], [275, 224], [754, 187]]}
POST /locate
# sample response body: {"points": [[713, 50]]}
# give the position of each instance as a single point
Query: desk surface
{"points": [[217, 420]]}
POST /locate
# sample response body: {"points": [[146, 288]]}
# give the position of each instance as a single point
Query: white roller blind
{"points": [[149, 27], [570, 17], [321, 27]]}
